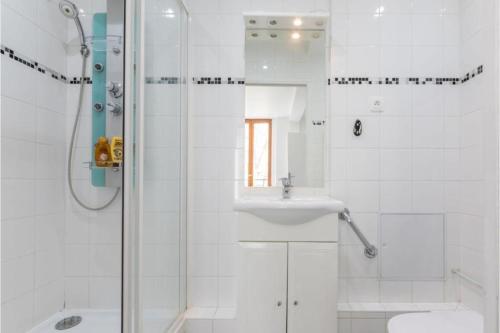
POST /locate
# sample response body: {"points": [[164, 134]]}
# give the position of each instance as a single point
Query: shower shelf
{"points": [[116, 167], [108, 43]]}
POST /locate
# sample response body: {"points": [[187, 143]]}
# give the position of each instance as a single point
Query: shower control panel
{"points": [[107, 92]]}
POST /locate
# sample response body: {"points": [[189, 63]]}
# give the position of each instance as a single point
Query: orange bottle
{"points": [[102, 152]]}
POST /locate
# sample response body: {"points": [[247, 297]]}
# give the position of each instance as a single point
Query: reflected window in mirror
{"points": [[258, 152]]}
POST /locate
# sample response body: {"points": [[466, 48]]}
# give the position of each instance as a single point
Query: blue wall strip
{"points": [[99, 27]]}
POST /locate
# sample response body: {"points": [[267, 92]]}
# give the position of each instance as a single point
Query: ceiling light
{"points": [[273, 22], [319, 23], [252, 21], [295, 35], [255, 35], [273, 35], [379, 11], [265, 67], [315, 35], [297, 22], [168, 13]]}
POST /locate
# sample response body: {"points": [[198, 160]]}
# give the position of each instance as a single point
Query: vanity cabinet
{"points": [[288, 287], [312, 287], [263, 287]]}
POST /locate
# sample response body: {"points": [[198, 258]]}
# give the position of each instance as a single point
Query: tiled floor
{"points": [[93, 321], [106, 321]]}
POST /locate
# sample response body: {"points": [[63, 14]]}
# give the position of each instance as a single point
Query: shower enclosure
{"points": [[156, 172], [93, 234]]}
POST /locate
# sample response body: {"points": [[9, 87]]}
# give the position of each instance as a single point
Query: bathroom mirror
{"points": [[285, 101]]}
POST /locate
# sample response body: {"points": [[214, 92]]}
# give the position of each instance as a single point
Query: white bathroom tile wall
{"points": [[104, 293], [352, 265], [371, 325], [381, 171], [410, 158], [33, 157], [478, 151], [395, 291], [363, 290], [428, 291]]}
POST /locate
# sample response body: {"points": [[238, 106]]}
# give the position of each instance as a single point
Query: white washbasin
{"points": [[289, 211]]}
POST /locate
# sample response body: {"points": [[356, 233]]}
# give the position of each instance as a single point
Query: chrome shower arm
{"points": [[370, 249]]}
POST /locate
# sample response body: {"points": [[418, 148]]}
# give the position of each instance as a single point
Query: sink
{"points": [[289, 211]]}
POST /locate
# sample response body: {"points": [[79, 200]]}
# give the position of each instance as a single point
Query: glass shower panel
{"points": [[165, 109]]}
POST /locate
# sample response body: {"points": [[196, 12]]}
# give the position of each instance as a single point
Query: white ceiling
{"points": [[267, 102]]}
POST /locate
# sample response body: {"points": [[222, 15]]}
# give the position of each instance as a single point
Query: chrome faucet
{"points": [[287, 186]]}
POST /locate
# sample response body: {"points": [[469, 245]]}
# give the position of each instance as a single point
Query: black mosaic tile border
{"points": [[163, 80], [407, 80], [218, 80], [78, 80], [472, 74], [30, 63], [34, 65]]}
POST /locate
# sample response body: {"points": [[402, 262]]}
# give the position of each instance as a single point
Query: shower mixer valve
{"points": [[115, 89], [115, 109]]}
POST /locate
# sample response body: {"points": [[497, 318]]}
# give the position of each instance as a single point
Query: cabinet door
{"points": [[312, 287], [262, 293]]}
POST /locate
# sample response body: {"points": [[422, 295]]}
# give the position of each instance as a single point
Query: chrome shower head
{"points": [[68, 9]]}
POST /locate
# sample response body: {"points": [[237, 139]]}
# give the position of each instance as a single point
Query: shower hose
{"points": [[72, 144]]}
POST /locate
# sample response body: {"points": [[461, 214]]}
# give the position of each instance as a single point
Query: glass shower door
{"points": [[164, 173]]}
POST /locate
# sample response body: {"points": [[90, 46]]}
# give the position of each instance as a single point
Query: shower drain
{"points": [[68, 322]]}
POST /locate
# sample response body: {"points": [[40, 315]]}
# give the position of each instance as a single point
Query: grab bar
{"points": [[467, 278], [370, 250]]}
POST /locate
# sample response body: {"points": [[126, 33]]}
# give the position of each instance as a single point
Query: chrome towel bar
{"points": [[467, 278], [370, 250]]}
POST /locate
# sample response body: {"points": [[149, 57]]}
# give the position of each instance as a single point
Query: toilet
{"points": [[437, 322]]}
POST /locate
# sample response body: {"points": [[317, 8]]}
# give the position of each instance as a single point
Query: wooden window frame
{"points": [[251, 123]]}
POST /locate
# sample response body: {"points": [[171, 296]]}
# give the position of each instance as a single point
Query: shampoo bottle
{"points": [[102, 152], [116, 150]]}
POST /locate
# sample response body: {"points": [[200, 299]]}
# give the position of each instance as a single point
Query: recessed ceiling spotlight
{"points": [[252, 21], [295, 35], [273, 22], [379, 11], [319, 23], [315, 35], [297, 22], [273, 35], [168, 13], [254, 35], [264, 67]]}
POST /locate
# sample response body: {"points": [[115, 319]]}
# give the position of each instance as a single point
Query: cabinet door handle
{"points": [[296, 303], [279, 303]]}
